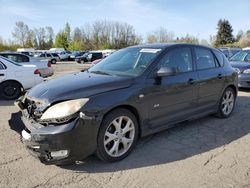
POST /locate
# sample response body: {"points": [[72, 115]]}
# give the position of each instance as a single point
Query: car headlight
{"points": [[247, 71], [64, 109]]}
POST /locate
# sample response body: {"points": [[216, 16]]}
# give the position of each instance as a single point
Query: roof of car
{"points": [[18, 53], [165, 45]]}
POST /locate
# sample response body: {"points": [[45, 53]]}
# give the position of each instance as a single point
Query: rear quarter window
{"points": [[25, 58], [220, 57]]}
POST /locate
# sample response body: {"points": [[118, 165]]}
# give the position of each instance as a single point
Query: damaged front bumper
{"points": [[60, 144]]}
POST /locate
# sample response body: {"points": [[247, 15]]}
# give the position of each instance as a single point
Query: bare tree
{"points": [[160, 35], [49, 36], [20, 33]]}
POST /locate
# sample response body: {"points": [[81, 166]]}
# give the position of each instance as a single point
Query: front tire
{"points": [[117, 135], [227, 103], [10, 90]]}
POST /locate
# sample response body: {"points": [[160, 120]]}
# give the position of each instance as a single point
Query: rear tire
{"points": [[53, 61], [227, 103], [117, 135], [10, 90]]}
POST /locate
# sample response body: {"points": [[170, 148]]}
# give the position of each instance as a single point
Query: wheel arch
{"points": [[233, 87], [133, 110], [11, 80]]}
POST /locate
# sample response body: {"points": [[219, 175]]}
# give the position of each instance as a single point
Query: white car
{"points": [[44, 66], [15, 78]]}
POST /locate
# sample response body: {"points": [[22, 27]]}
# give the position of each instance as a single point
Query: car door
{"points": [[2, 72], [211, 78], [173, 98]]}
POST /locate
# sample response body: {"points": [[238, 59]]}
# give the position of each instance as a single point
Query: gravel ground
{"points": [[209, 152]]}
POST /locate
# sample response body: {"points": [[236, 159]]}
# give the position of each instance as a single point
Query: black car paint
{"points": [[84, 57], [198, 94]]}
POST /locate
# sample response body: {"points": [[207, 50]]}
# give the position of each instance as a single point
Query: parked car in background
{"points": [[26, 51], [229, 52], [15, 78], [89, 57], [47, 56], [75, 54], [135, 92], [44, 67], [63, 56], [56, 50], [56, 56], [241, 62]]}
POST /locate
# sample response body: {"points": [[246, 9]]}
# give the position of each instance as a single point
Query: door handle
{"points": [[1, 74], [219, 76], [191, 81]]}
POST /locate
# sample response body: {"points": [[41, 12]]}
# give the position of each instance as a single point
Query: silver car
{"points": [[48, 56]]}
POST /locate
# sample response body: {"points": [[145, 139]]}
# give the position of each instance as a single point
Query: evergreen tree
{"points": [[224, 33], [62, 40]]}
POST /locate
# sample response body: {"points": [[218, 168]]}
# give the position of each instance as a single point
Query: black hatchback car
{"points": [[134, 92]]}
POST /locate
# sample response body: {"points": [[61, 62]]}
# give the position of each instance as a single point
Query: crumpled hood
{"points": [[240, 65], [77, 85]]}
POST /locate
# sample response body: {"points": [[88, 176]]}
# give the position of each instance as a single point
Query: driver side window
{"points": [[179, 58]]}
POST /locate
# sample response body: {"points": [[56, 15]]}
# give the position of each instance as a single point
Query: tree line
{"points": [[103, 34], [225, 37]]}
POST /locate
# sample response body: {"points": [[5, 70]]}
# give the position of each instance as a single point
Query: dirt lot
{"points": [[209, 152]]}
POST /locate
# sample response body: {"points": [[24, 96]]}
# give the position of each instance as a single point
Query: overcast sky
{"points": [[196, 17]]}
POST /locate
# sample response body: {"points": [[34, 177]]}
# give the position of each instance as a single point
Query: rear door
{"points": [[211, 78]]}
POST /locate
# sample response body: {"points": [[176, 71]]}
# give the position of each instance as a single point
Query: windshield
{"points": [[240, 56], [126, 62]]}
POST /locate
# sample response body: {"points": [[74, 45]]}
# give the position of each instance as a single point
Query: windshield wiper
{"points": [[100, 72]]}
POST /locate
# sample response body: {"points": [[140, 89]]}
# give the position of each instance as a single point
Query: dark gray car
{"points": [[241, 62], [134, 92]]}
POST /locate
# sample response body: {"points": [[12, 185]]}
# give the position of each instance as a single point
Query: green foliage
{"points": [[224, 34], [61, 40]]}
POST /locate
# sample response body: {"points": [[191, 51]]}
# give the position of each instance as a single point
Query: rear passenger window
{"points": [[204, 59], [219, 57]]}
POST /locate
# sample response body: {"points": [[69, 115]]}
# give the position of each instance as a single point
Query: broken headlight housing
{"points": [[63, 111]]}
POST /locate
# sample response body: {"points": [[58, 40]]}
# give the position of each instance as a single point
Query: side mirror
{"points": [[165, 71]]}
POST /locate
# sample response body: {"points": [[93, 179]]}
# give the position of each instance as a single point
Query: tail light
{"points": [[49, 63], [37, 71]]}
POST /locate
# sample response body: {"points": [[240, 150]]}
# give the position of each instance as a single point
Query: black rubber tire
{"points": [[101, 153], [53, 61], [10, 90], [220, 112]]}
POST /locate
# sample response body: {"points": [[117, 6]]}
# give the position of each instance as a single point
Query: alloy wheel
{"points": [[228, 102], [119, 136]]}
